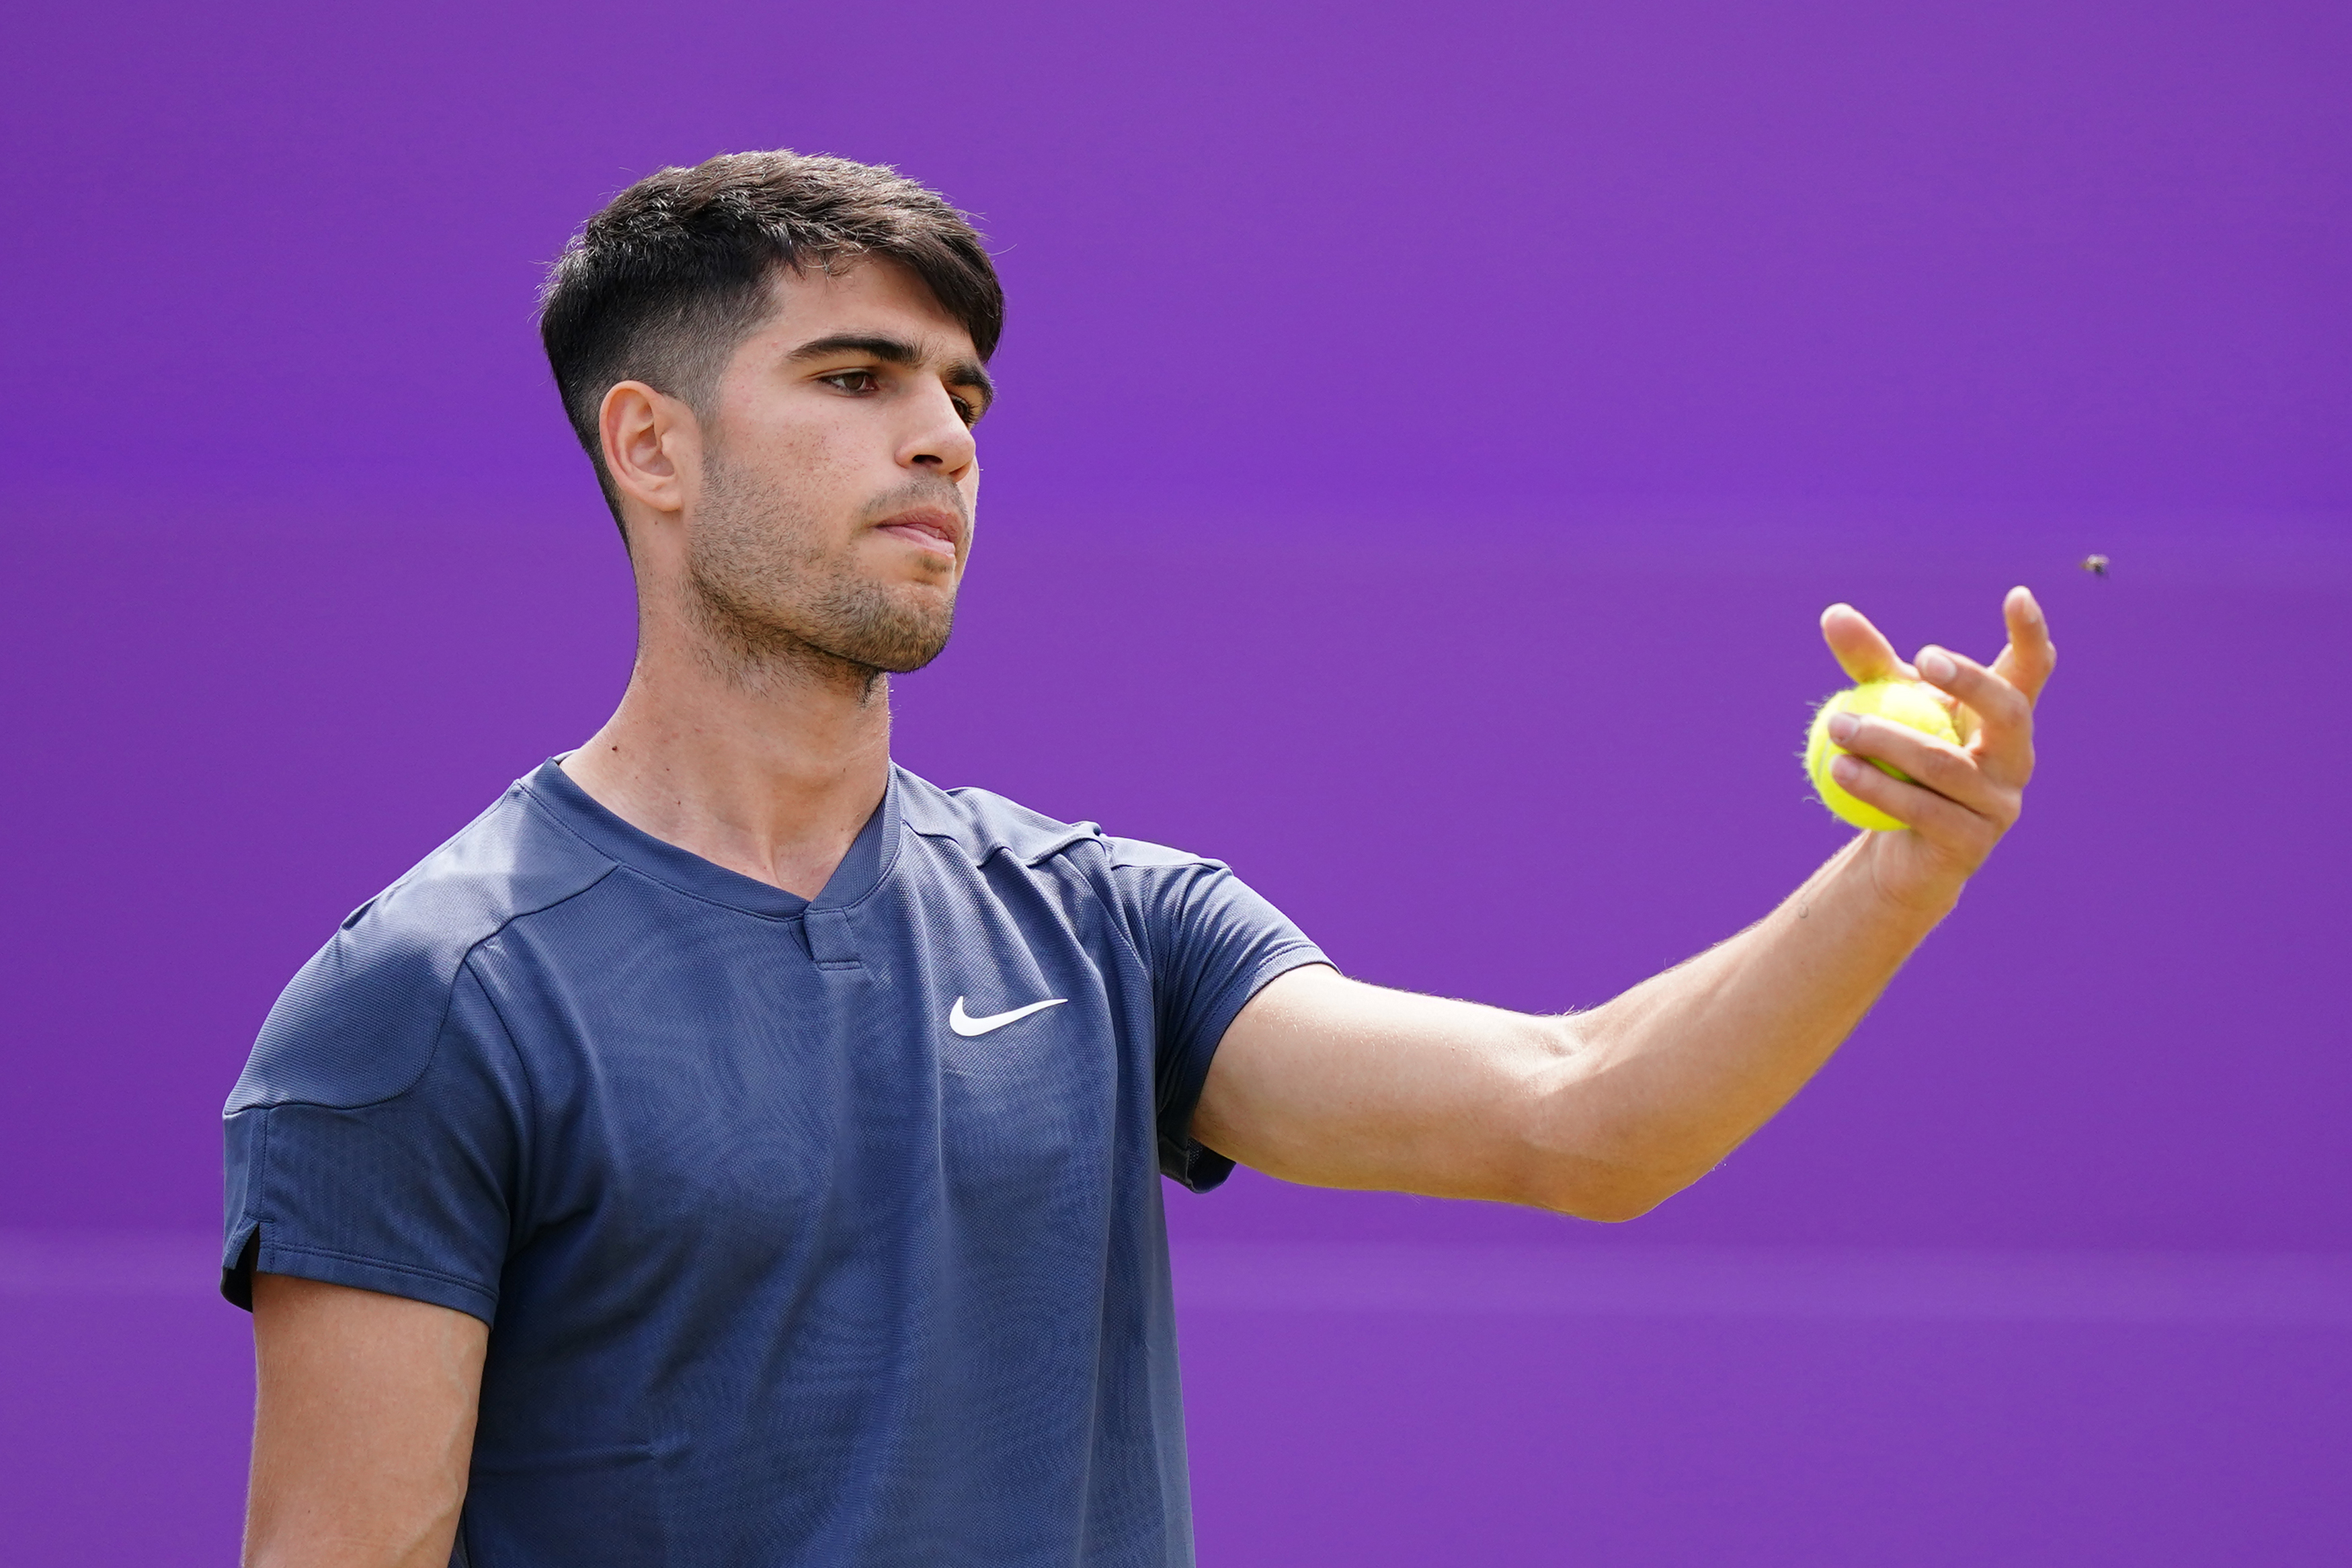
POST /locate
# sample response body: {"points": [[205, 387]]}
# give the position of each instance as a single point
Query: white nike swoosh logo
{"points": [[964, 1024]]}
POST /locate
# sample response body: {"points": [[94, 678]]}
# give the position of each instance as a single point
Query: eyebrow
{"points": [[964, 372]]}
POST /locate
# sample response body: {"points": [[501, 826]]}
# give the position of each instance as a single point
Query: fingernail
{"points": [[1842, 725], [1936, 666], [2032, 605]]}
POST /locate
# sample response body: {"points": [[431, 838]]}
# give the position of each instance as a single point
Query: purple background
{"points": [[1429, 437]]}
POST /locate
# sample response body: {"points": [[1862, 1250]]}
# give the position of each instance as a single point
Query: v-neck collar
{"points": [[870, 857]]}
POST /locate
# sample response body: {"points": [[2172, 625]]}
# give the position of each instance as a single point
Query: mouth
{"points": [[931, 530]]}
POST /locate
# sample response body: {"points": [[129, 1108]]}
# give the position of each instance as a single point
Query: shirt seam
{"points": [[552, 815], [257, 1203], [1109, 896], [1079, 833], [522, 1070], [1297, 954], [889, 863], [298, 1249], [1252, 980], [448, 1005], [889, 852]]}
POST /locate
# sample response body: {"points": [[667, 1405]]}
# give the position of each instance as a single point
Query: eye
{"points": [[851, 380], [964, 410]]}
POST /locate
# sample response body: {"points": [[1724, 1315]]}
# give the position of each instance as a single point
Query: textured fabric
{"points": [[781, 1267]]}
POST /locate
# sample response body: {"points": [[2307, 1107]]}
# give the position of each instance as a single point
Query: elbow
{"points": [[1571, 1166], [1603, 1195], [1615, 1209], [1582, 1153]]}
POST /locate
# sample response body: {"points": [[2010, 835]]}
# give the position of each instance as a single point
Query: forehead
{"points": [[876, 295]]}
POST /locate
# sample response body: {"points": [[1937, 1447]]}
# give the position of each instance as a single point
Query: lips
{"points": [[927, 528]]}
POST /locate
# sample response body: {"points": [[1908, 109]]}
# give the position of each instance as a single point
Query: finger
{"points": [[1927, 760], [2030, 658], [1952, 826], [1862, 648], [2003, 738]]}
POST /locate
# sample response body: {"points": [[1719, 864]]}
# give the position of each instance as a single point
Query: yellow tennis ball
{"points": [[1904, 702]]}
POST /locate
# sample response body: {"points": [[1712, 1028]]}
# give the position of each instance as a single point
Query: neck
{"points": [[766, 763]]}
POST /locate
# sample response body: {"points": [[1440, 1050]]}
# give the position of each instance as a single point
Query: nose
{"points": [[939, 442]]}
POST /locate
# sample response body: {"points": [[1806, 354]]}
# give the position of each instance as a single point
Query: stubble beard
{"points": [[774, 602]]}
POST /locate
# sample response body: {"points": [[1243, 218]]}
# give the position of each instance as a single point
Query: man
{"points": [[732, 1150]]}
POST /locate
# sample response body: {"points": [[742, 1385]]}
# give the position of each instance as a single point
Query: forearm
{"points": [[1605, 1113], [1656, 1087]]}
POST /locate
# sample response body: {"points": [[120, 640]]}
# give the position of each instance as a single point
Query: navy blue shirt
{"points": [[809, 1232]]}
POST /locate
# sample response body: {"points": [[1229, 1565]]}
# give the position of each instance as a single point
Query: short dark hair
{"points": [[662, 284]]}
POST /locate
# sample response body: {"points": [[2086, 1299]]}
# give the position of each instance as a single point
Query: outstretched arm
{"points": [[363, 1430], [1332, 1083]]}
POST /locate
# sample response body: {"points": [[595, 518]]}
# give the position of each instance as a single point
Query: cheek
{"points": [[804, 470], [800, 448], [777, 433]]}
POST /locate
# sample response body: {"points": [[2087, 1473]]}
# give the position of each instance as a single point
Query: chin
{"points": [[899, 632]]}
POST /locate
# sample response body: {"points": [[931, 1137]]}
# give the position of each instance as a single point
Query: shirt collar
{"points": [[870, 858]]}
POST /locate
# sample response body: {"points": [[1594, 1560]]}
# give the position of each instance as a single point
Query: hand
{"points": [[1962, 797]]}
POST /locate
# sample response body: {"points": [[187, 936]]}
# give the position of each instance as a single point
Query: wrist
{"points": [[1899, 886]]}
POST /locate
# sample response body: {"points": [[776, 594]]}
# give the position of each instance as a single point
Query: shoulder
{"points": [[359, 1022], [984, 824], [981, 825]]}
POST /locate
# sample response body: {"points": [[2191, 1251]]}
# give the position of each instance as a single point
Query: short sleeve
{"points": [[376, 1140], [1211, 943]]}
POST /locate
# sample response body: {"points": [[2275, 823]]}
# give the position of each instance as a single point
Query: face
{"points": [[838, 475]]}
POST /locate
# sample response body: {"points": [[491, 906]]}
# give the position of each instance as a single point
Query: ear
{"points": [[652, 446]]}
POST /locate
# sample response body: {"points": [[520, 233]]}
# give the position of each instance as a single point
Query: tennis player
{"points": [[732, 1151]]}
